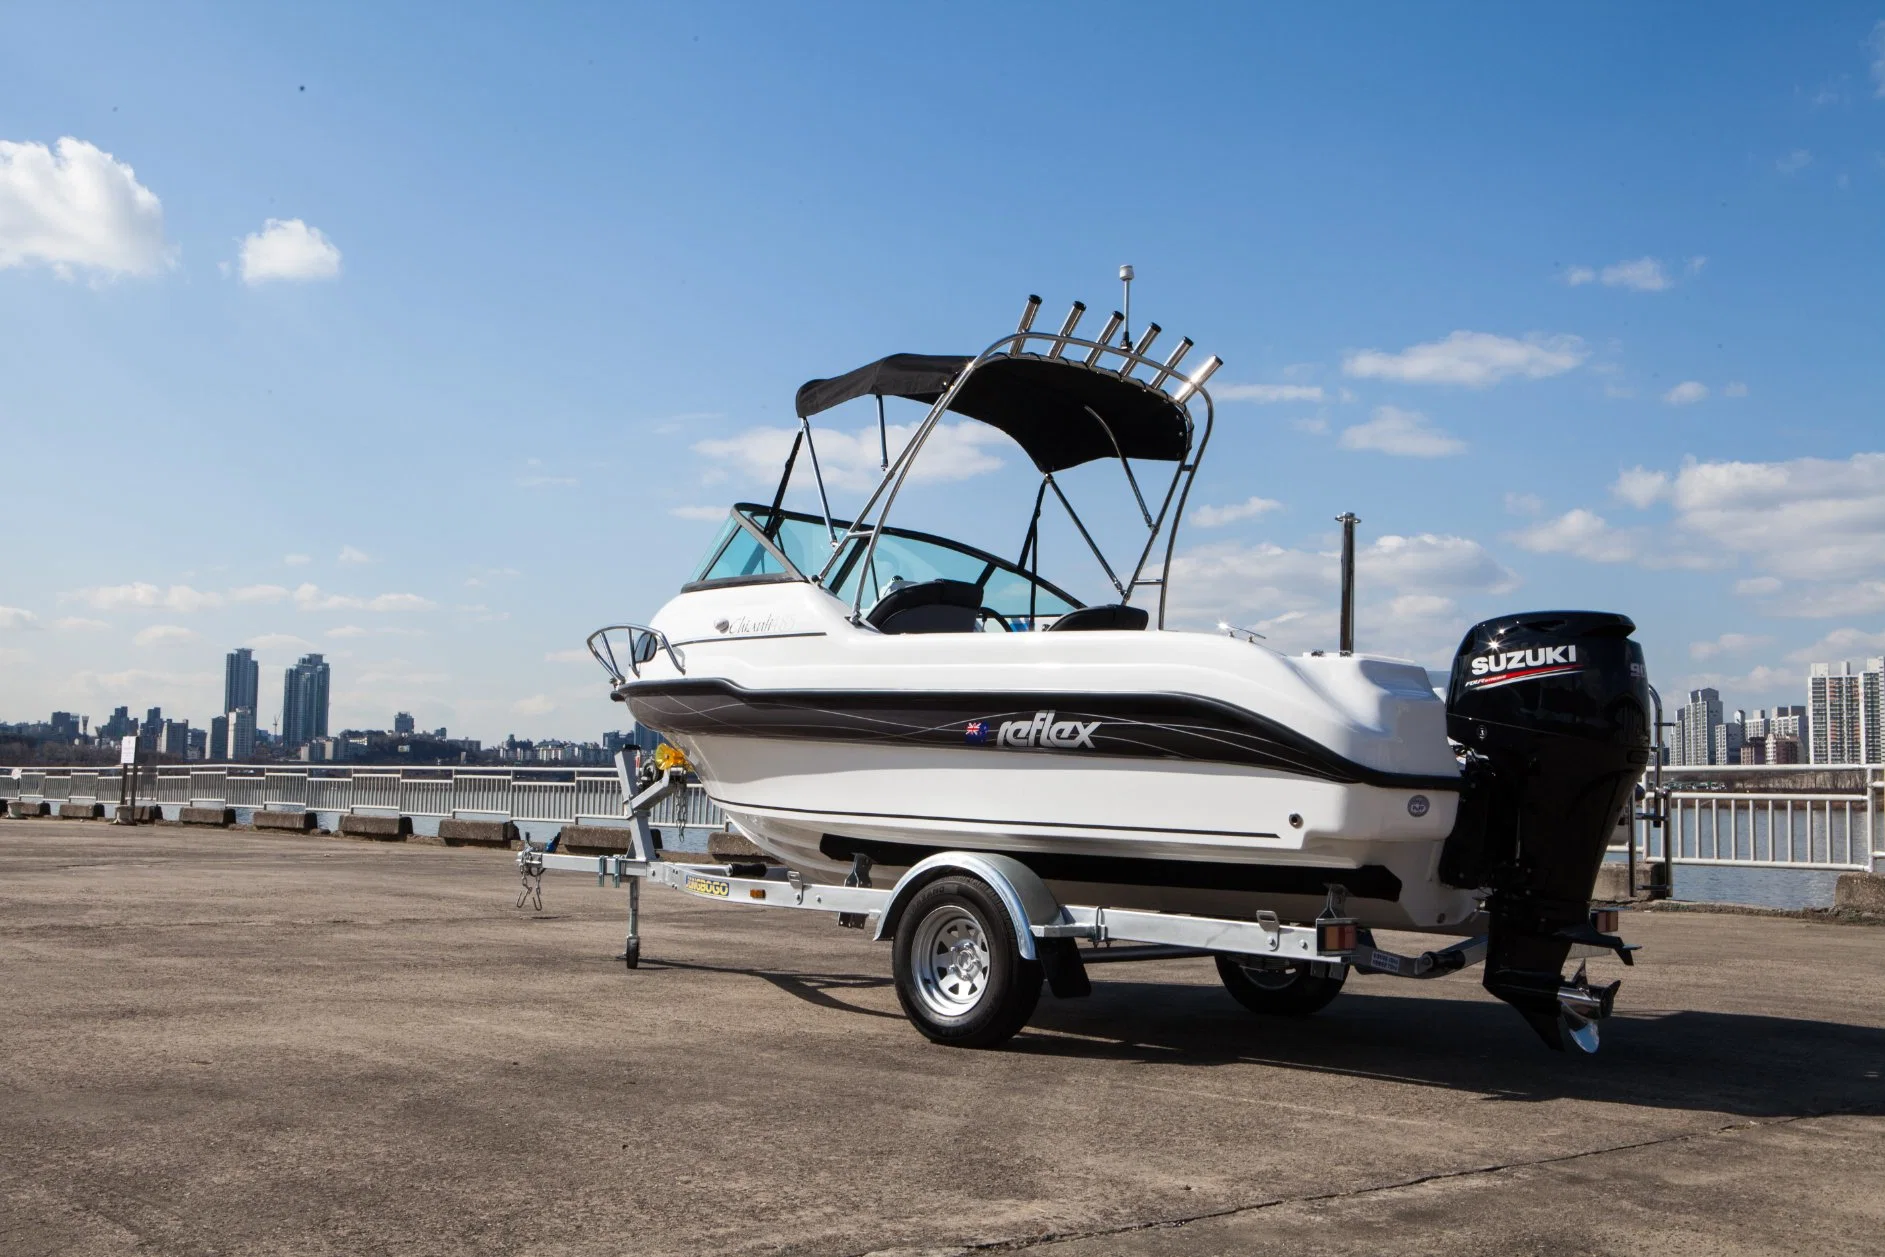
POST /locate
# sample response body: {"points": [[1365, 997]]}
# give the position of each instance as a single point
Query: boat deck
{"points": [[250, 1043]]}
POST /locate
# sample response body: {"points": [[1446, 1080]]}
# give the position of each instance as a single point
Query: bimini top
{"points": [[1062, 412]]}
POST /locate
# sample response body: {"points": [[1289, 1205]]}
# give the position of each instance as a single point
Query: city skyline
{"points": [[497, 332]]}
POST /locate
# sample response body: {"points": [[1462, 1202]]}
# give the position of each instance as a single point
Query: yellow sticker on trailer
{"points": [[709, 886]]}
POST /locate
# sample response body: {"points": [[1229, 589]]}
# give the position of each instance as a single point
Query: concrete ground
{"points": [[236, 1043]]}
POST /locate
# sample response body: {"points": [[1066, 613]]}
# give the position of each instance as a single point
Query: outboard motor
{"points": [[1552, 708]]}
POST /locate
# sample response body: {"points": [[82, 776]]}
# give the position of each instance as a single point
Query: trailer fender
{"points": [[1019, 888]]}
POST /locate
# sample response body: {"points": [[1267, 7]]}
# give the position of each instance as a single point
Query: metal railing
{"points": [[1799, 816], [568, 795], [1795, 816]]}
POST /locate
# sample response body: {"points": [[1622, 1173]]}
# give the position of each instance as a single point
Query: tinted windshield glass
{"points": [[736, 553]]}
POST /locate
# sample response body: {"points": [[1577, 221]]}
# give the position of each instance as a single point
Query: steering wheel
{"points": [[989, 613]]}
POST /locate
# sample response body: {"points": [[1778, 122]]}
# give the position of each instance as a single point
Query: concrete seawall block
{"points": [[731, 848], [457, 833], [81, 811], [219, 816], [295, 822], [596, 839], [1860, 892], [137, 813], [379, 828], [25, 807]]}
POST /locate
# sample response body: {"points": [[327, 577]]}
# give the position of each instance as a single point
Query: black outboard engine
{"points": [[1553, 710]]}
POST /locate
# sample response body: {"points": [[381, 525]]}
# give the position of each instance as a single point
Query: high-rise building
{"points": [[176, 738], [219, 740], [120, 725], [241, 680], [1834, 715], [304, 701], [242, 733], [1696, 723], [65, 726], [402, 722], [1729, 735], [1872, 735]]}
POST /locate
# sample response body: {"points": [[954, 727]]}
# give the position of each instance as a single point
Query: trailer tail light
{"points": [[1336, 936], [1604, 920]]}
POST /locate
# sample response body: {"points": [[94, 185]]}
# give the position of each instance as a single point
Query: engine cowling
{"points": [[1552, 708]]}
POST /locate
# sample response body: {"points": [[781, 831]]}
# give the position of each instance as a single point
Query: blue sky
{"points": [[426, 340]]}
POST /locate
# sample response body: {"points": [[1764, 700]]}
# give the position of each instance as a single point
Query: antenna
{"points": [[1125, 281]]}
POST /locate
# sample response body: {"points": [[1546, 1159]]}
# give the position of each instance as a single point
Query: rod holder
{"points": [[1105, 336], [1027, 314], [1066, 329], [1196, 379], [1145, 342], [1171, 363]]}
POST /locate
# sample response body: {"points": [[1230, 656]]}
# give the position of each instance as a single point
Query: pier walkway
{"points": [[224, 1041]]}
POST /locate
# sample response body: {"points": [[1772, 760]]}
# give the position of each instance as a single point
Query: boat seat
{"points": [[1116, 615], [931, 606]]}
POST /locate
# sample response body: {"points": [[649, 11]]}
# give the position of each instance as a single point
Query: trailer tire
{"points": [[1295, 992], [960, 974]]}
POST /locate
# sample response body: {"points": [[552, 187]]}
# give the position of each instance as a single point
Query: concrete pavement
{"points": [[257, 1043]]}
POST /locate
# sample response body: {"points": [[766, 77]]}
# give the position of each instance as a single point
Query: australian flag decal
{"points": [[976, 731]]}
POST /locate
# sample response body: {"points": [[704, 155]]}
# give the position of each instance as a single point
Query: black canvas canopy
{"points": [[1049, 406]]}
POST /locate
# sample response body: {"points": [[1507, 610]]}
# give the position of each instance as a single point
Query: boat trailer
{"points": [[975, 933]]}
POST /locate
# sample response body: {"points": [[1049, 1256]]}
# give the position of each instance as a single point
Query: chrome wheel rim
{"points": [[1271, 979], [950, 956]]}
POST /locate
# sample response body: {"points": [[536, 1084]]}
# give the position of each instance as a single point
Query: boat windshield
{"points": [[759, 544]]}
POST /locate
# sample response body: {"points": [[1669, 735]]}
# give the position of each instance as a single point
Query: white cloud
{"points": [[258, 593], [1793, 163], [78, 207], [850, 460], [1316, 425], [1580, 533], [1403, 432], [1524, 504], [350, 555], [575, 654], [1696, 264], [1728, 644], [1640, 487], [1735, 389], [1758, 586], [79, 624], [297, 560], [1474, 359], [165, 635], [1409, 587], [1578, 275], [1218, 516], [310, 598], [709, 513], [535, 705], [287, 248], [1841, 643], [1264, 394], [17, 618], [1808, 518], [1876, 47], [287, 643], [140, 595], [1639, 275], [1686, 393], [348, 630]]}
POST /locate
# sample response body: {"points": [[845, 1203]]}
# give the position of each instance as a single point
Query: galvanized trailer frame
{"points": [[1045, 930]]}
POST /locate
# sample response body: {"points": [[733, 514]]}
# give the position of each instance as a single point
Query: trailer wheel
{"points": [[959, 971], [1292, 992]]}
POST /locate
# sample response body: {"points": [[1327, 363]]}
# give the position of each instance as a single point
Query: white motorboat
{"points": [[857, 695]]}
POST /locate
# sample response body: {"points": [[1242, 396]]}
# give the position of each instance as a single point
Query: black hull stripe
{"points": [[1169, 726], [976, 820], [1370, 881]]}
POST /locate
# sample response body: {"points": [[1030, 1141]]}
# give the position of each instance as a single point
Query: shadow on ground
{"points": [[1744, 1064]]}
